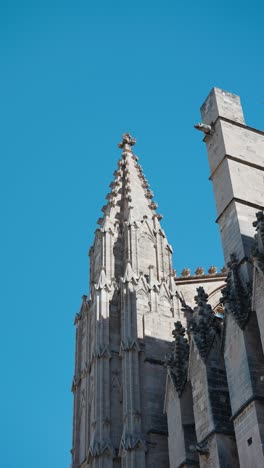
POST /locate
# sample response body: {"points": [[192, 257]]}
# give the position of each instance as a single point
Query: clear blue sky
{"points": [[74, 76]]}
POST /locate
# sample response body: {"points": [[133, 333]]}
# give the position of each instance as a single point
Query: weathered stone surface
{"points": [[236, 159], [119, 416], [214, 380]]}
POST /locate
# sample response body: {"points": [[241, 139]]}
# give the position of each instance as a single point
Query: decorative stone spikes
{"points": [[235, 297], [202, 325], [180, 356], [258, 247]]}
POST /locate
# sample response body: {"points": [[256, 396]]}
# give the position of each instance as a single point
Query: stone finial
{"points": [[179, 330], [149, 194], [186, 272], [199, 271], [177, 361], [212, 270], [202, 325], [201, 298], [224, 270], [153, 205], [235, 297], [127, 140]]}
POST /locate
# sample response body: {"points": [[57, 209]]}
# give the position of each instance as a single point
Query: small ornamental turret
{"points": [[235, 297], [202, 325], [181, 353], [177, 361]]}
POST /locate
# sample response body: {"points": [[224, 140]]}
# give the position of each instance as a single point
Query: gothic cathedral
{"points": [[169, 370]]}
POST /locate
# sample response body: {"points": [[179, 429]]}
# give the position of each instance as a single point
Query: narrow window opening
{"points": [[249, 441]]}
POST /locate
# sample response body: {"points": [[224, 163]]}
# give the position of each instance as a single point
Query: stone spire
{"points": [[130, 206], [123, 336]]}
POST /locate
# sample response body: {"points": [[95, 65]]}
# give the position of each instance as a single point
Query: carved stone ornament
{"points": [[127, 140], [212, 270], [101, 351], [186, 272], [202, 325], [101, 447], [207, 129], [129, 345], [145, 184], [153, 205], [132, 442], [235, 297], [199, 271], [177, 361], [258, 246], [102, 282], [149, 194], [129, 274]]}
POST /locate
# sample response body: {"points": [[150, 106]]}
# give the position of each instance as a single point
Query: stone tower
{"points": [[123, 331], [236, 159]]}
